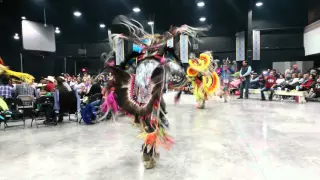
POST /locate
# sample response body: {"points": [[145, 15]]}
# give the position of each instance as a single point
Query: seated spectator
{"points": [[254, 81], [79, 86], [95, 88], [308, 84], [60, 86], [291, 84], [269, 86], [6, 89], [315, 91], [50, 84], [276, 74], [280, 81], [304, 79], [25, 89], [314, 72], [65, 83]]}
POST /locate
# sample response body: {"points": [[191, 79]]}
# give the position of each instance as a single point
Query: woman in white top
{"points": [[280, 81], [80, 86]]}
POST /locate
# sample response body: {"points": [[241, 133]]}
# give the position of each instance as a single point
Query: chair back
{"points": [[13, 103], [27, 101], [45, 100], [68, 102], [95, 97]]}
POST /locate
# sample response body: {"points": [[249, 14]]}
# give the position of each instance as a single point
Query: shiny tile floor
{"points": [[239, 140]]}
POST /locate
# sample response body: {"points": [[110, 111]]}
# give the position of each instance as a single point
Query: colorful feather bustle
{"points": [[19, 75], [201, 73]]}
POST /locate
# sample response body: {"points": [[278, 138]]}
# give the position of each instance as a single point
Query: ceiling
{"points": [[226, 16]]}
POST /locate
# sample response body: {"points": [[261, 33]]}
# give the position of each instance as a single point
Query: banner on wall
{"points": [[170, 43], [119, 51], [184, 43], [240, 46], [256, 44]]}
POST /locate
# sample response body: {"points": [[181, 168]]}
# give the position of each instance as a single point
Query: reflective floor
{"points": [[239, 140]]}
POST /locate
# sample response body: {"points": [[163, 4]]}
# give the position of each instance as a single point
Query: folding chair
{"points": [[27, 106], [68, 103], [44, 105], [13, 104]]}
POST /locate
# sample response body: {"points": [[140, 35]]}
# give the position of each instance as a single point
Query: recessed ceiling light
{"points": [[259, 4], [77, 13], [23, 17], [136, 9], [57, 31], [202, 19], [16, 36], [200, 4], [102, 25], [151, 23]]}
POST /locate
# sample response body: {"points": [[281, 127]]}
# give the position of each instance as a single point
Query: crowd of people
{"points": [[84, 85], [270, 80]]}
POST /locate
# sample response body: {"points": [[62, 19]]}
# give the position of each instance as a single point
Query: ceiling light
{"points": [[200, 4], [202, 19], [102, 25], [57, 31], [23, 17], [151, 23], [136, 9], [57, 28], [77, 13], [16, 36], [259, 4]]}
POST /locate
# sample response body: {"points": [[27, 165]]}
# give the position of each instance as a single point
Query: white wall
{"points": [[312, 40]]}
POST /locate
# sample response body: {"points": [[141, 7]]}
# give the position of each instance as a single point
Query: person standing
{"points": [[269, 86], [245, 79]]}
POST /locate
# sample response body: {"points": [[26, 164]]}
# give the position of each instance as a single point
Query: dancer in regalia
{"points": [[141, 79], [225, 76], [205, 81]]}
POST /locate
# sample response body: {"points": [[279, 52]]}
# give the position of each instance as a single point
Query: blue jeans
{"points": [[96, 103], [267, 89], [245, 85]]}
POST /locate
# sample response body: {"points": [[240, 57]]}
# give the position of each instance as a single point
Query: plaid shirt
{"points": [[6, 91], [25, 89]]}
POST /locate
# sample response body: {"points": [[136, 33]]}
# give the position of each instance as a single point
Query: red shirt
{"points": [[50, 87], [307, 84], [270, 81]]}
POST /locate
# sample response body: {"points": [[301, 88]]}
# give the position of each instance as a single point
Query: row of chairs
{"points": [[36, 109]]}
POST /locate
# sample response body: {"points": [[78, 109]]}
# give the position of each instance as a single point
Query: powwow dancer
{"points": [[205, 81], [139, 92], [225, 78]]}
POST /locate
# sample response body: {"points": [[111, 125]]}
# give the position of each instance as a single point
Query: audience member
{"points": [[280, 81], [25, 89], [86, 76], [315, 91], [65, 83], [245, 78], [269, 86], [79, 86], [255, 81], [95, 88], [293, 82], [314, 72], [304, 79], [50, 84], [295, 69], [6, 90], [310, 83], [60, 86]]}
